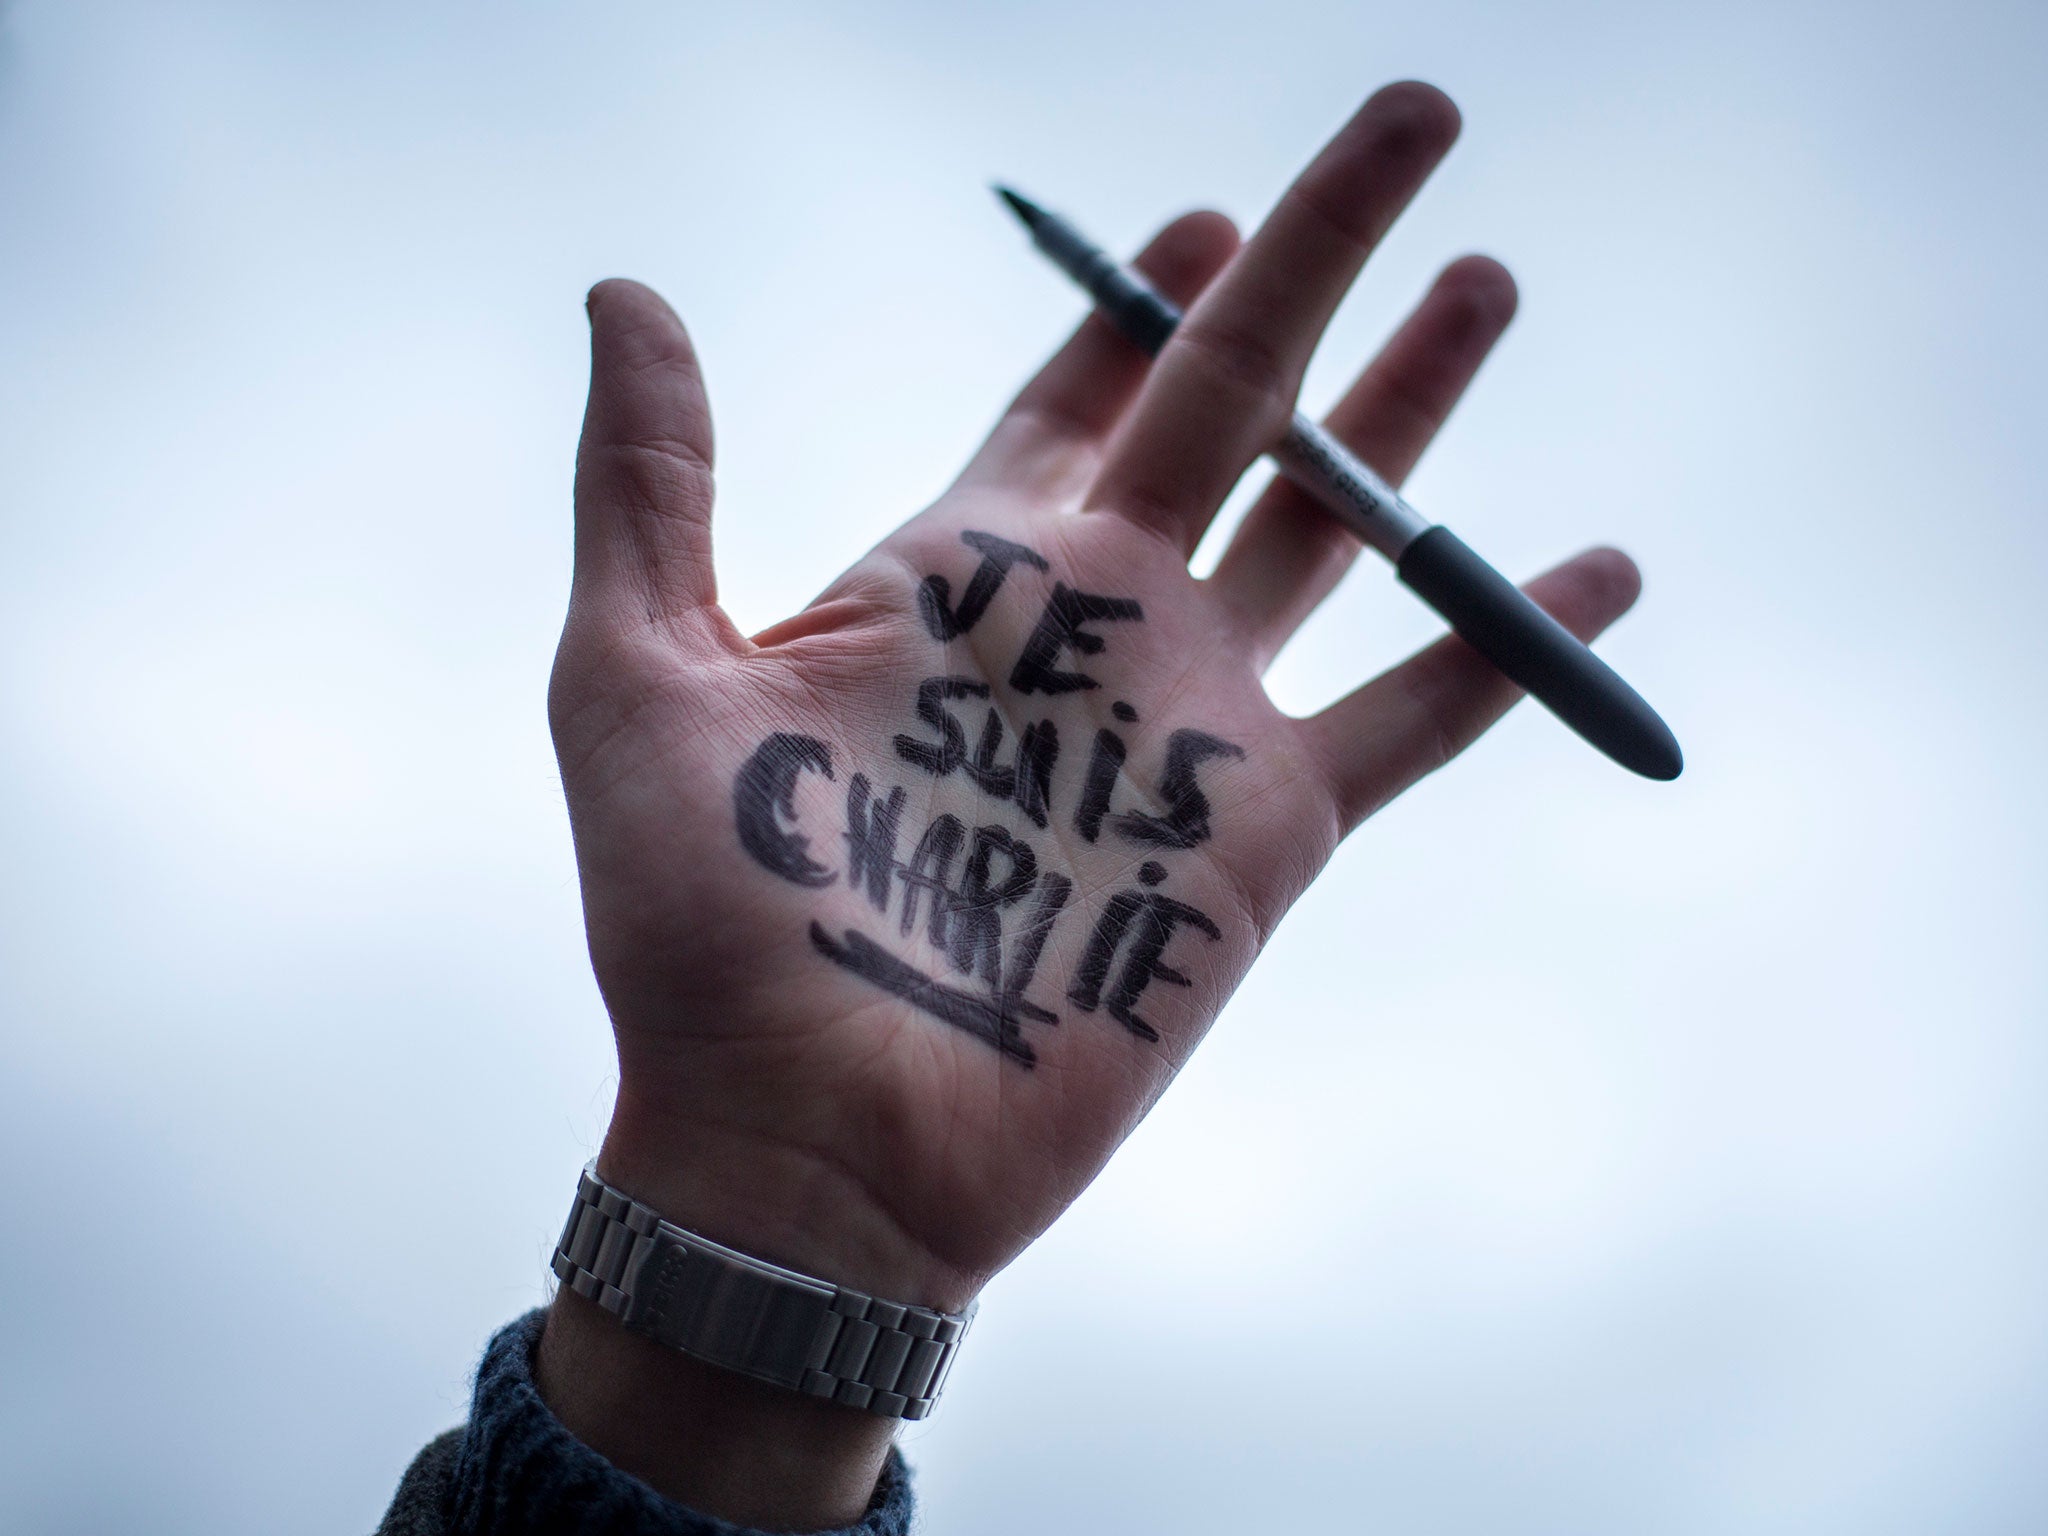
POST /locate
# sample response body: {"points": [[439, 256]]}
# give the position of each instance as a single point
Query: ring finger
{"points": [[1288, 553]]}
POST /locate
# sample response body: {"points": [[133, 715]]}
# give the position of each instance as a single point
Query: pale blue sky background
{"points": [[1585, 1155]]}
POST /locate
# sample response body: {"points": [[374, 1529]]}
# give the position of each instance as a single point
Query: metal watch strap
{"points": [[750, 1316]]}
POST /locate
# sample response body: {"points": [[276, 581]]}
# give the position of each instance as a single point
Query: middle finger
{"points": [[1223, 388]]}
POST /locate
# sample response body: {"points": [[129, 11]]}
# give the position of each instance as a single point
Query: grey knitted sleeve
{"points": [[513, 1470]]}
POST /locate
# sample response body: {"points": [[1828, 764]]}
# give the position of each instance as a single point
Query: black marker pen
{"points": [[1487, 610]]}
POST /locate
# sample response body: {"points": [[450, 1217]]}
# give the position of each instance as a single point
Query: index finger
{"points": [[1223, 388]]}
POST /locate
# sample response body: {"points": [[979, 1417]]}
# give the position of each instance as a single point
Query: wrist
{"points": [[775, 1200], [719, 1441]]}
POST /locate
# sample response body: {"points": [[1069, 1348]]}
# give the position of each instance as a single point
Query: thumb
{"points": [[643, 470]]}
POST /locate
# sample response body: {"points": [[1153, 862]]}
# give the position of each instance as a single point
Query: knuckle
{"points": [[1312, 203], [660, 475], [1246, 361], [1404, 416]]}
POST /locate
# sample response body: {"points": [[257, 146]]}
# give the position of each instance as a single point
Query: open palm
{"points": [[906, 909]]}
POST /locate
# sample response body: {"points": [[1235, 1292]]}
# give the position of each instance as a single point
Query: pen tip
{"points": [[1022, 206], [1654, 753]]}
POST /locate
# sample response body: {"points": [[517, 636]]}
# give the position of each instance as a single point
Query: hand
{"points": [[907, 908]]}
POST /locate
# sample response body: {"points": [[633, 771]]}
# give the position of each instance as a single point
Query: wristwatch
{"points": [[732, 1310]]}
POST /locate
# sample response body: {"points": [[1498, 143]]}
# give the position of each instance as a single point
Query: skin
{"points": [[788, 1106]]}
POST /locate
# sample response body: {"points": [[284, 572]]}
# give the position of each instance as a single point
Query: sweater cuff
{"points": [[520, 1473]]}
